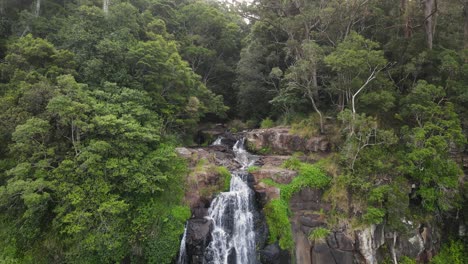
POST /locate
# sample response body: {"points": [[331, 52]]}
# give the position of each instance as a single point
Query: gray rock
{"points": [[321, 254], [273, 254]]}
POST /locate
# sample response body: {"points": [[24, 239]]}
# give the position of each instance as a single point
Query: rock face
{"points": [[281, 141], [308, 209], [205, 178], [198, 238]]}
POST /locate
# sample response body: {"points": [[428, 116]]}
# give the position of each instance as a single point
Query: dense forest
{"points": [[95, 95]]}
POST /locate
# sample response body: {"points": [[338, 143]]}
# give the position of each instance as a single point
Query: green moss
{"points": [[277, 216]]}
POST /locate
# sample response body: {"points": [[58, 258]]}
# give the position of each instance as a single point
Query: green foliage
{"points": [[407, 260], [277, 216], [318, 233], [308, 127], [163, 246], [454, 253], [309, 176], [267, 123], [373, 215]]}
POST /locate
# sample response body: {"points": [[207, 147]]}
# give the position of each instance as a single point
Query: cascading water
{"points": [[233, 236], [183, 252]]}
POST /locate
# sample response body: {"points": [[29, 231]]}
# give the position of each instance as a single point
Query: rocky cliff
{"points": [[309, 210]]}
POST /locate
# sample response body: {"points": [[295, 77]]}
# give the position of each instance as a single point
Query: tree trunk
{"points": [[2, 7], [105, 6], [37, 8], [465, 15], [406, 18], [430, 9], [312, 100]]}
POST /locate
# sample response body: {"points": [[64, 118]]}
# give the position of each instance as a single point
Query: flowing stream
{"points": [[233, 236]]}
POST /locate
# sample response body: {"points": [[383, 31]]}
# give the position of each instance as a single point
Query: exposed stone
{"points": [[321, 254], [279, 140], [342, 257], [273, 254], [311, 220], [344, 242], [198, 238], [302, 245], [279, 175]]}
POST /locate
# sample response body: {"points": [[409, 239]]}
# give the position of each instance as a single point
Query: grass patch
{"points": [[251, 169], [307, 128], [319, 233]]}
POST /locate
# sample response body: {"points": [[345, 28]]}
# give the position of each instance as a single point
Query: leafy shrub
{"points": [[267, 123], [276, 212], [373, 215], [309, 176], [455, 253], [308, 127], [164, 246], [318, 233]]}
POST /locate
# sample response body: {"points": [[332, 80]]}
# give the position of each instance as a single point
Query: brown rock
{"points": [[279, 140], [278, 175]]}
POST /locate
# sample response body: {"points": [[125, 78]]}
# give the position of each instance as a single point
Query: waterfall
{"points": [[231, 212], [232, 215], [217, 141], [183, 250]]}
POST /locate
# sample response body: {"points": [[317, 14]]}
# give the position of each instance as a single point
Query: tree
{"points": [[357, 63], [435, 130], [303, 75]]}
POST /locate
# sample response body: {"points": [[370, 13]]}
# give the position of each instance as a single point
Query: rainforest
{"points": [[233, 132]]}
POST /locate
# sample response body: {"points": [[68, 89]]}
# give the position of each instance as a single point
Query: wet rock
{"points": [[311, 220], [198, 238], [342, 257], [344, 242], [273, 254], [321, 254], [302, 246]]}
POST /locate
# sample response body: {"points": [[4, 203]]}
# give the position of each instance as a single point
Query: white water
{"points": [[231, 213], [217, 141], [183, 254], [233, 236]]}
